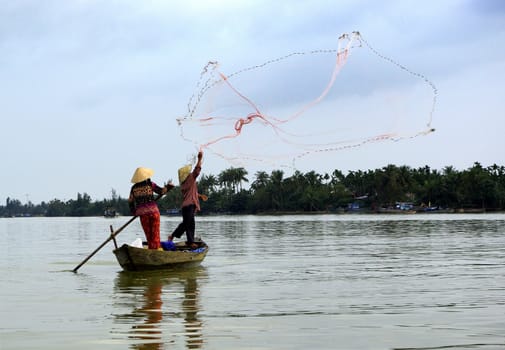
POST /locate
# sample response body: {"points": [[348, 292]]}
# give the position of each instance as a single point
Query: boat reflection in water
{"points": [[164, 306]]}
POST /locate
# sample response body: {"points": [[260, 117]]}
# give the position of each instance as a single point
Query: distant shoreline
{"points": [[341, 211]]}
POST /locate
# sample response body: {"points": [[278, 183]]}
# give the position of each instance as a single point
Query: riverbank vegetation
{"points": [[232, 192]]}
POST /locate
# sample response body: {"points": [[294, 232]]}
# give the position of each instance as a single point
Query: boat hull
{"points": [[139, 259]]}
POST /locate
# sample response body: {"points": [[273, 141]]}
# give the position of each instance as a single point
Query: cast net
{"points": [[306, 104]]}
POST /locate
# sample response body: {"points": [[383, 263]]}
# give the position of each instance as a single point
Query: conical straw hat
{"points": [[184, 173], [142, 174]]}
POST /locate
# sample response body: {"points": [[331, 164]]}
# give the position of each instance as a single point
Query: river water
{"points": [[431, 281]]}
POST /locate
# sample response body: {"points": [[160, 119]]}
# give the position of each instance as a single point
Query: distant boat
{"points": [[173, 211], [395, 211], [110, 213], [137, 259], [435, 210], [399, 208]]}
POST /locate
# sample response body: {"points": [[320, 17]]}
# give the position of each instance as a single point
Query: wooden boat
{"points": [[136, 259]]}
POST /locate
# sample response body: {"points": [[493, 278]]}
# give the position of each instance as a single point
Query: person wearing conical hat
{"points": [[190, 202], [142, 204]]}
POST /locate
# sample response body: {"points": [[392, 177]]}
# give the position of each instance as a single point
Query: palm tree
{"points": [[388, 183], [225, 179], [260, 200], [276, 189], [239, 176], [232, 178], [207, 184], [261, 181], [450, 188]]}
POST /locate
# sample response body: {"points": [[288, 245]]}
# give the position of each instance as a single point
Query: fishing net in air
{"points": [[307, 104]]}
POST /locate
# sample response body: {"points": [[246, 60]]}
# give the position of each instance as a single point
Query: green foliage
{"points": [[476, 187]]}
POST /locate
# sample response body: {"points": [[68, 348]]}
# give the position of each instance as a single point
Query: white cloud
{"points": [[82, 80]]}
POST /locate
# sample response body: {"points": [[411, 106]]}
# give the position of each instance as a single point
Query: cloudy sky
{"points": [[92, 89]]}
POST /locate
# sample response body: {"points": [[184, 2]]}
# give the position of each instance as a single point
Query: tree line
{"points": [[477, 187]]}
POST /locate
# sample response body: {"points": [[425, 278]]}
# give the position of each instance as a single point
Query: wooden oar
{"points": [[112, 236]]}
